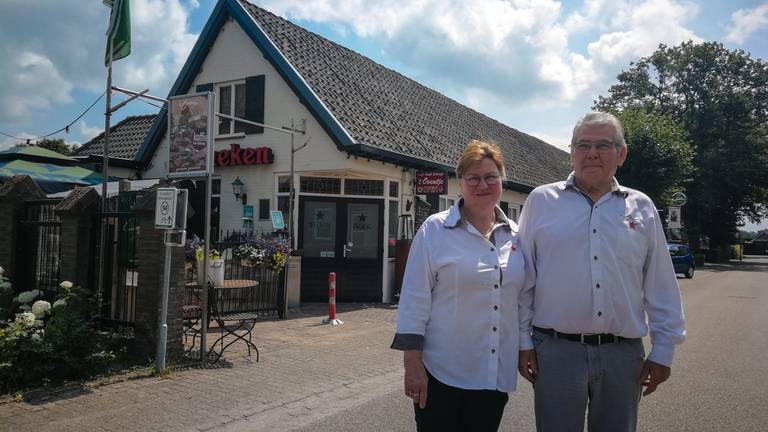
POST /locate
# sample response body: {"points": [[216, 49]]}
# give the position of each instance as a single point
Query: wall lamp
{"points": [[238, 187]]}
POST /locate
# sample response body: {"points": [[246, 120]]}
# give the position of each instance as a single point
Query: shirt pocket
{"points": [[631, 238]]}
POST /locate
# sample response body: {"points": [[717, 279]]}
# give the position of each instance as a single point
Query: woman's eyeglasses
{"points": [[475, 180]]}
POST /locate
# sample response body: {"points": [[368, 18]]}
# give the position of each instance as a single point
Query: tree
{"points": [[720, 97], [57, 144], [660, 158]]}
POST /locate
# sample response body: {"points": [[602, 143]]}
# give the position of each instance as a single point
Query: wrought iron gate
{"points": [[39, 248]]}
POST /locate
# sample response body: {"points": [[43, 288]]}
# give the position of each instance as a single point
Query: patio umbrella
{"points": [[50, 177]]}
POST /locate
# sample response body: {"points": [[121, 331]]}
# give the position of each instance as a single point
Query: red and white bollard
{"points": [[332, 301]]}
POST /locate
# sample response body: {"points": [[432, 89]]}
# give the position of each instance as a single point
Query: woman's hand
{"points": [[527, 365], [415, 377]]}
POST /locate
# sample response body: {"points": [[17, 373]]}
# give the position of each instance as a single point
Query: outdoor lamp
{"points": [[239, 190]]}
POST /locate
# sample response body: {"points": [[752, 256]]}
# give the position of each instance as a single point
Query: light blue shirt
{"points": [[599, 269], [460, 291]]}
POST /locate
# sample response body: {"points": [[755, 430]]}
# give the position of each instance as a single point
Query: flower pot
{"points": [[215, 272]]}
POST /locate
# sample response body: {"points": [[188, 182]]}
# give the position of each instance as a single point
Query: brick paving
{"points": [[306, 371]]}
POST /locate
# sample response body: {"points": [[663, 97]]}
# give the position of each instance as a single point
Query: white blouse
{"points": [[460, 297]]}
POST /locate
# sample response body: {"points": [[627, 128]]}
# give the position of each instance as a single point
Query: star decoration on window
{"points": [[361, 217], [319, 215]]}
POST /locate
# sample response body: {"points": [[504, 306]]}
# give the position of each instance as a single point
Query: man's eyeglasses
{"points": [[600, 146], [475, 180]]}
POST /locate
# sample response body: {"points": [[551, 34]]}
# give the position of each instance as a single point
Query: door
{"points": [[343, 236]]}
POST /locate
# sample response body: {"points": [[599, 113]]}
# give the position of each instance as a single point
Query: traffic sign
{"points": [[165, 208]]}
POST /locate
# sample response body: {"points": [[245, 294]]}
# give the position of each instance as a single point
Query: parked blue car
{"points": [[682, 259]]}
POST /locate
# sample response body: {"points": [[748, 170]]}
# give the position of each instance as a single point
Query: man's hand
{"points": [[415, 377], [652, 375], [527, 365]]}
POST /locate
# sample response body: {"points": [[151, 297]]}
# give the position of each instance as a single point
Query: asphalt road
{"points": [[719, 379]]}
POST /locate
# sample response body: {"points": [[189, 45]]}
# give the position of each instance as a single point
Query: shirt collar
{"points": [[616, 188], [454, 216]]}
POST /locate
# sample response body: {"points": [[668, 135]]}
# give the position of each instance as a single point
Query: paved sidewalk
{"points": [[306, 372]]}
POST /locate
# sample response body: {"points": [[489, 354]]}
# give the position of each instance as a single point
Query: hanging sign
{"points": [[431, 182], [191, 131]]}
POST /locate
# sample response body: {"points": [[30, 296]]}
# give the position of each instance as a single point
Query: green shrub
{"points": [[50, 344]]}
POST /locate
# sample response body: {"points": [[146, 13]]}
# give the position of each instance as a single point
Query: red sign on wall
{"points": [[431, 182], [250, 156]]}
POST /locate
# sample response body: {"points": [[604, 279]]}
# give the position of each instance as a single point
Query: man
{"points": [[601, 278]]}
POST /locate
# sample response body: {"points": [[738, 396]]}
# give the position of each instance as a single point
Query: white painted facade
{"points": [[232, 58]]}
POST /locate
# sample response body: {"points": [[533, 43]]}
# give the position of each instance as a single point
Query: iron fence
{"points": [[39, 248]]}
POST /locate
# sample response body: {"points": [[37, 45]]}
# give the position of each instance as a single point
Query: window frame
{"points": [[232, 106]]}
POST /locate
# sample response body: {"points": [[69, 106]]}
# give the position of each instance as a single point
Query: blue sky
{"points": [[534, 65]]}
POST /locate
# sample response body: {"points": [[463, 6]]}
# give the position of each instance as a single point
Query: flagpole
{"points": [[104, 179]]}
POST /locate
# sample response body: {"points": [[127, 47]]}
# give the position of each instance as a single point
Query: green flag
{"points": [[119, 31]]}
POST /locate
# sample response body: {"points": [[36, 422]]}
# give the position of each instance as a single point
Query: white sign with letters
{"points": [[165, 208], [674, 218]]}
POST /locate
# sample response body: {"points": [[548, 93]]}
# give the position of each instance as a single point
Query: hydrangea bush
{"points": [[45, 343], [269, 250]]}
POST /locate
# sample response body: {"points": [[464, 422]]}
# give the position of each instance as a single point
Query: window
{"points": [[364, 187], [394, 189], [446, 203], [512, 214], [243, 99], [231, 102], [282, 205], [263, 209], [283, 184], [324, 185], [504, 206]]}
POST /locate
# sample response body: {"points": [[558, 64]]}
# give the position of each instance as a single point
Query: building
{"points": [[368, 130]]}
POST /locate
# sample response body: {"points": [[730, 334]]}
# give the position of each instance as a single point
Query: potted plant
{"points": [[215, 266]]}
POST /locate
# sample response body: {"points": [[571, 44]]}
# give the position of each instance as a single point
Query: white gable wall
{"points": [[233, 57]]}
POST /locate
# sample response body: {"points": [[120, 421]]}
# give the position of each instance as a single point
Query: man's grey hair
{"points": [[601, 119]]}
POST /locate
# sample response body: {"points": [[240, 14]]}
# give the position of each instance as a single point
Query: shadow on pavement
{"points": [[750, 263]]}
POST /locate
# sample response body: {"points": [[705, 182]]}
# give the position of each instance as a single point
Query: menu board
{"points": [[422, 212]]}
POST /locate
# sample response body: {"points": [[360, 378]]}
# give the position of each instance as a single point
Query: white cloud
{"points": [[55, 49], [560, 138], [648, 25], [744, 22], [519, 52], [89, 132], [8, 142]]}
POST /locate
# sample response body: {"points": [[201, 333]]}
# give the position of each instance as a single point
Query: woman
{"points": [[457, 320]]}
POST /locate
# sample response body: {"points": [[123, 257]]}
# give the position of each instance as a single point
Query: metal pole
{"points": [[104, 179], [207, 246], [161, 341], [291, 194]]}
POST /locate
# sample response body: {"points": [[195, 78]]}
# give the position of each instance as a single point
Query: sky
{"points": [[535, 65]]}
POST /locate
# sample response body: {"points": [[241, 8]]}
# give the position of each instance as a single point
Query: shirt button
{"points": [[496, 267], [594, 230], [496, 286], [595, 258], [597, 285], [494, 329], [495, 307], [493, 249], [599, 314], [493, 350]]}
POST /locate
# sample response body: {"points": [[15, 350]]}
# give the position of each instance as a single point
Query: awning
{"points": [[50, 177]]}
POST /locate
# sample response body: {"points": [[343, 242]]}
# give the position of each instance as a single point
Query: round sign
{"points": [[679, 199]]}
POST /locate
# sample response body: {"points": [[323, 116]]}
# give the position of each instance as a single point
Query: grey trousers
{"points": [[600, 380]]}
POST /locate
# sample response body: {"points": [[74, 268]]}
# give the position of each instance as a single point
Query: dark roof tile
{"points": [[125, 138], [384, 109]]}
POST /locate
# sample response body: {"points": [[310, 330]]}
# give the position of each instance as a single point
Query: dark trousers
{"points": [[454, 409]]}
